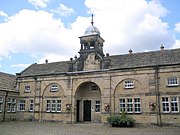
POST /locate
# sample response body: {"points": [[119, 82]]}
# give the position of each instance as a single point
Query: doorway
{"points": [[87, 110]]}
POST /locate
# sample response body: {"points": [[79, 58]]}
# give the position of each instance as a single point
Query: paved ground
{"points": [[57, 128]]}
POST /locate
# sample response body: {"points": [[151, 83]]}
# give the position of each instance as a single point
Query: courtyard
{"points": [[58, 128]]}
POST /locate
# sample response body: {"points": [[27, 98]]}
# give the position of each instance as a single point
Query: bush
{"points": [[121, 120]]}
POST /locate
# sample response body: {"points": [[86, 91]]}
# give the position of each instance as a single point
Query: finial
{"points": [[130, 51], [92, 20]]}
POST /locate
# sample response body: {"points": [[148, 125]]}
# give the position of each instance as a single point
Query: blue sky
{"points": [[32, 31]]}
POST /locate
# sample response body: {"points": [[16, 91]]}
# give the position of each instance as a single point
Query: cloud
{"points": [[63, 10], [37, 33], [177, 27], [177, 44], [39, 3], [3, 14], [131, 24], [124, 24]]}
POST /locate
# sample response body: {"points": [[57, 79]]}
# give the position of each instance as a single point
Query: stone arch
{"points": [[48, 94], [88, 102], [120, 86], [88, 85], [121, 92]]}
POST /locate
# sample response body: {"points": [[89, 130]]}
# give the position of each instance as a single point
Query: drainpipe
{"points": [[5, 101], [71, 59], [110, 96], [159, 122]]}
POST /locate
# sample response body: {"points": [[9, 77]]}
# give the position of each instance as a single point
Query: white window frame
{"points": [[1, 104], [27, 88], [172, 81], [11, 104], [22, 105], [137, 105], [94, 87], [129, 84], [58, 105], [130, 107], [174, 104], [97, 106], [54, 87], [53, 105], [48, 105], [165, 105], [122, 104], [31, 105]]}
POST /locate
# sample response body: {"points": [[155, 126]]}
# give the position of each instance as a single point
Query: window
{"points": [[21, 105], [137, 105], [53, 105], [11, 105], [27, 88], [97, 106], [173, 81], [174, 104], [129, 84], [1, 104], [94, 87], [122, 105], [130, 105], [31, 105], [48, 106], [165, 104], [54, 87], [58, 105]]}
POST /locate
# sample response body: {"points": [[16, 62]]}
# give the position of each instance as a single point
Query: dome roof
{"points": [[91, 30]]}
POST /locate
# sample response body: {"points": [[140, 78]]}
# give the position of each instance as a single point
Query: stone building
{"points": [[93, 86], [8, 97]]}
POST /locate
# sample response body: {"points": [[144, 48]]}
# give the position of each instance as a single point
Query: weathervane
{"points": [[92, 20]]}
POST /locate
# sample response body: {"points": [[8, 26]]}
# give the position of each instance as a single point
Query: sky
{"points": [[32, 31]]}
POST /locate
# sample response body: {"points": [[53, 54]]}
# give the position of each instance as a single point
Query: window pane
{"points": [[58, 105], [129, 84], [122, 105], [165, 104], [21, 106], [27, 88], [137, 105], [129, 105], [97, 106], [48, 104], [174, 104], [31, 105], [53, 106], [172, 81], [54, 87]]}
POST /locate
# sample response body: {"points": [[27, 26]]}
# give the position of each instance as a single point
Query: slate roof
{"points": [[7, 81], [134, 60]]}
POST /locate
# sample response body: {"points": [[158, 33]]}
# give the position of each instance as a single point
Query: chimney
{"points": [[46, 61], [162, 47]]}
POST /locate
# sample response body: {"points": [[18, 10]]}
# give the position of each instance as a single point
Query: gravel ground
{"points": [[58, 128]]}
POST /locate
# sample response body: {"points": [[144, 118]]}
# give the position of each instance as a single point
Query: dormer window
{"points": [[129, 84], [172, 81], [27, 88], [54, 87]]}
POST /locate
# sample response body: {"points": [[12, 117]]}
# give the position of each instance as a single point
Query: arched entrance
{"points": [[88, 103]]}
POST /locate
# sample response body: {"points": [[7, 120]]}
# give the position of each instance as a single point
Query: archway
{"points": [[88, 102]]}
